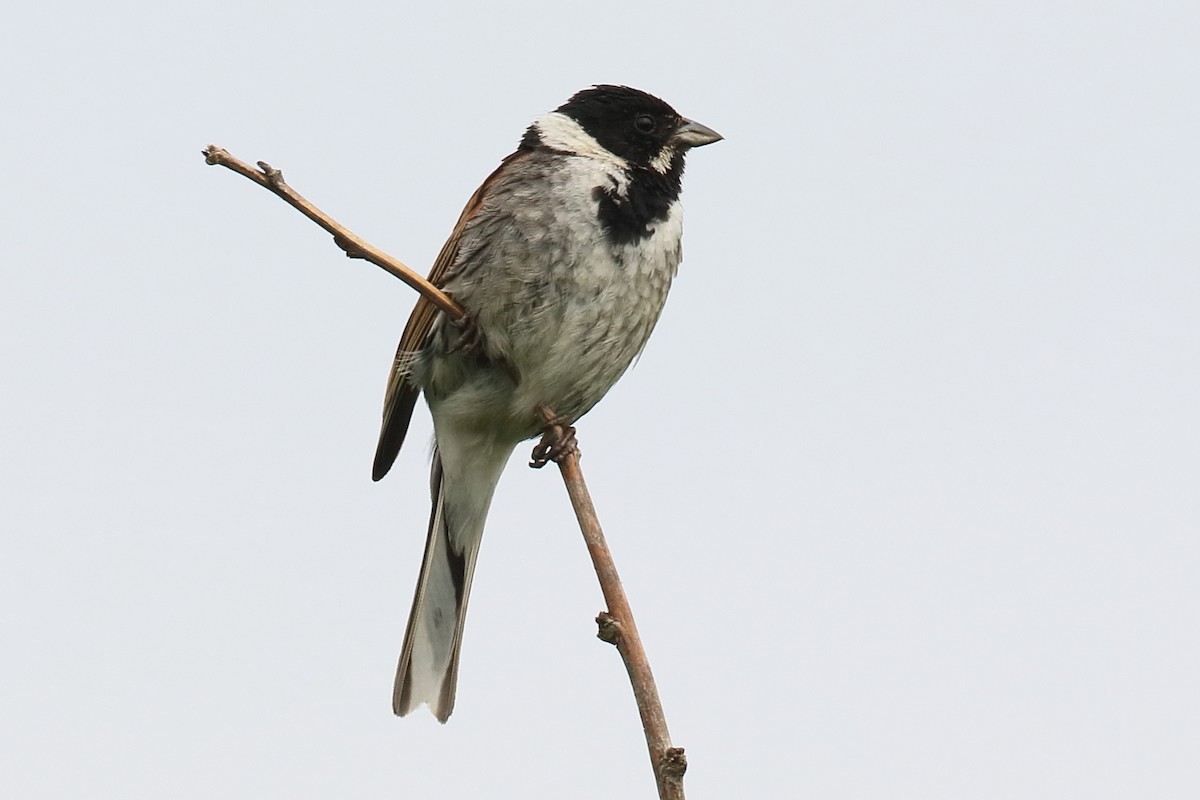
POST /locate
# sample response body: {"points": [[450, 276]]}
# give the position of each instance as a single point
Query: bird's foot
{"points": [[558, 441]]}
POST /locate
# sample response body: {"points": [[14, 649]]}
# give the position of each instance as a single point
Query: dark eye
{"points": [[644, 123]]}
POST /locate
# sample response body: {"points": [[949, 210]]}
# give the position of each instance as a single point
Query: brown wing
{"points": [[401, 396]]}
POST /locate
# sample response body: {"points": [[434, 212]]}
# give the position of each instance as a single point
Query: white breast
{"points": [[565, 307]]}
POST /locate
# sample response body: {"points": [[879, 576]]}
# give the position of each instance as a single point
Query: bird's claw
{"points": [[558, 441]]}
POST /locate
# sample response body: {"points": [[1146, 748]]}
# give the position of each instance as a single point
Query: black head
{"points": [[628, 123], [630, 130], [634, 126]]}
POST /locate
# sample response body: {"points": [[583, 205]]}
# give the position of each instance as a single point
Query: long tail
{"points": [[462, 481]]}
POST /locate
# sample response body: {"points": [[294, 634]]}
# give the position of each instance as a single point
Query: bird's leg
{"points": [[558, 440]]}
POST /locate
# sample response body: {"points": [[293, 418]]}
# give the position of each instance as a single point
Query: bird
{"points": [[562, 260]]}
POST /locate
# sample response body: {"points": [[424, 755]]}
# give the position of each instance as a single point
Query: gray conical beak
{"points": [[693, 134]]}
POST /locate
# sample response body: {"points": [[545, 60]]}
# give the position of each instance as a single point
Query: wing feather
{"points": [[401, 396]]}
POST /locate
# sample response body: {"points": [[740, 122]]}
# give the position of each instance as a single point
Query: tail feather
{"points": [[428, 667]]}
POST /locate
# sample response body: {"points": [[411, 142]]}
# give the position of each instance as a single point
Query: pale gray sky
{"points": [[904, 489]]}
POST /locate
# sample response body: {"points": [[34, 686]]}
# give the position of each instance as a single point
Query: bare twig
{"points": [[616, 625], [270, 178]]}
